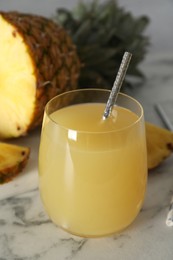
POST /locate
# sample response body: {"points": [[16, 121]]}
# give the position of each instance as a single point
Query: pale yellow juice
{"points": [[92, 172]]}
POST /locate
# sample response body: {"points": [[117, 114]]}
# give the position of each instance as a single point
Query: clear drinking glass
{"points": [[92, 173]]}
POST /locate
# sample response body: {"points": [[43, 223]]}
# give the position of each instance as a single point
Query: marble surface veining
{"points": [[26, 233]]}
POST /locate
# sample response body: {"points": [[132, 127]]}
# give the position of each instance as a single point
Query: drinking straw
{"points": [[117, 84]]}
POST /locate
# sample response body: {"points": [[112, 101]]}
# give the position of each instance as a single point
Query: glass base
{"points": [[82, 235]]}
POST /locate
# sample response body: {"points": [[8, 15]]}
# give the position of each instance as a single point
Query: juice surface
{"points": [[88, 117], [92, 172]]}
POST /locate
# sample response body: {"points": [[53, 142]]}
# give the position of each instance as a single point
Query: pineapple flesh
{"points": [[17, 82], [37, 61], [159, 144], [13, 159]]}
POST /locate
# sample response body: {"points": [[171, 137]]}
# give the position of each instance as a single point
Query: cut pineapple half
{"points": [[17, 82], [38, 60], [13, 159]]}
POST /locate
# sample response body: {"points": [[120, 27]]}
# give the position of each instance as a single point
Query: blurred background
{"points": [[159, 12]]}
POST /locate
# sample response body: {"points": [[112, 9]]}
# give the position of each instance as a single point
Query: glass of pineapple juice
{"points": [[92, 172]]}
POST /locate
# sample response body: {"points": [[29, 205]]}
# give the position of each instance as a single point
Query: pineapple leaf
{"points": [[102, 32]]}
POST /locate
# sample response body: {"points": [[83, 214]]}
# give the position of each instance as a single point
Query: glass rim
{"points": [[90, 132]]}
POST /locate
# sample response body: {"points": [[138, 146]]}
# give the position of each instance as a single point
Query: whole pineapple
{"points": [[37, 61]]}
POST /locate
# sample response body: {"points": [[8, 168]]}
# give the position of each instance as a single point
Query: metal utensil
{"points": [[117, 84]]}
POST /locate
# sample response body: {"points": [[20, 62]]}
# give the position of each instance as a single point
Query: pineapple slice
{"points": [[13, 159], [37, 61], [159, 144]]}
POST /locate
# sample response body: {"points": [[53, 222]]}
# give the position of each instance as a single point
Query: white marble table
{"points": [[26, 233]]}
